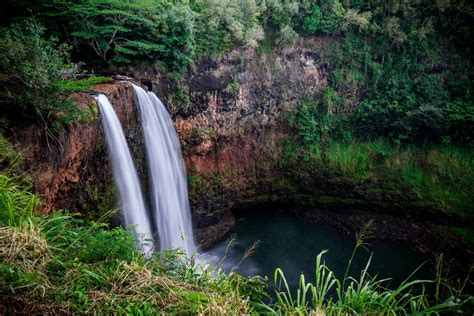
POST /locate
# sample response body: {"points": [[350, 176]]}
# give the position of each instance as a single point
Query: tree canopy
{"points": [[398, 69]]}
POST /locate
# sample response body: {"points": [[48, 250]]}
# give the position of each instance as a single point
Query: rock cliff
{"points": [[231, 119], [227, 114]]}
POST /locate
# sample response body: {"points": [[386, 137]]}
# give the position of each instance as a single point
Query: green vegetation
{"points": [[397, 70], [179, 96], [434, 178], [171, 33], [224, 24], [394, 123], [418, 104], [57, 263], [233, 86], [30, 67], [436, 175], [466, 233], [365, 295], [118, 32], [34, 84], [80, 85], [8, 155]]}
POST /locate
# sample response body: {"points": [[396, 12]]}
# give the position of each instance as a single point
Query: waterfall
{"points": [[126, 179], [169, 193]]}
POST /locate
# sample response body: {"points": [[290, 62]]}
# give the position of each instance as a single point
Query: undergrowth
{"points": [[439, 177], [8, 154], [59, 264], [442, 175]]}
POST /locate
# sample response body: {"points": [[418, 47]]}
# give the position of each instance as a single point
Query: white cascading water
{"points": [[169, 192], [126, 179]]}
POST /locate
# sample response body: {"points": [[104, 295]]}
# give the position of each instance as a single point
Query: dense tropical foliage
{"points": [[400, 70], [396, 115]]}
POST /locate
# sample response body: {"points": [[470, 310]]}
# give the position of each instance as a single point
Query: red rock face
{"points": [[230, 118], [235, 113], [237, 155], [64, 168], [212, 155]]}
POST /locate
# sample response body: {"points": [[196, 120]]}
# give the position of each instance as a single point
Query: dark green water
{"points": [[292, 245]]}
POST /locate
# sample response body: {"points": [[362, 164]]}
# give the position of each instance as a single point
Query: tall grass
{"points": [[16, 202], [8, 154], [364, 295], [57, 263]]}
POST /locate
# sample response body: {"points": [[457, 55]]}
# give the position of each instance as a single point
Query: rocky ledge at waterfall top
{"points": [[230, 116]]}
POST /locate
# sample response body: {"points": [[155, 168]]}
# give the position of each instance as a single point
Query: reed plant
{"points": [[330, 295], [16, 202]]}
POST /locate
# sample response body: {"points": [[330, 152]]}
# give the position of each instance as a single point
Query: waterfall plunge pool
{"points": [[290, 244]]}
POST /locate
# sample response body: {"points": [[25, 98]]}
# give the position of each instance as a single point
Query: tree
{"points": [[332, 13], [224, 24], [30, 67], [312, 21], [104, 25], [31, 70]]}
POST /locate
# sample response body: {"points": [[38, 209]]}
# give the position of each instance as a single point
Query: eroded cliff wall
{"points": [[71, 170], [231, 119], [229, 116]]}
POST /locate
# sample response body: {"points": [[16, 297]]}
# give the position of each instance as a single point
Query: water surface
{"points": [[292, 245]]}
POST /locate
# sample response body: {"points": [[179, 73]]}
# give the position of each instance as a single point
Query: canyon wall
{"points": [[71, 170], [228, 114], [231, 117]]}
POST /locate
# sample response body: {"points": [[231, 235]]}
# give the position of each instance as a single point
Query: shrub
{"points": [[224, 24], [460, 120], [32, 73], [312, 21], [8, 154], [332, 13], [30, 68]]}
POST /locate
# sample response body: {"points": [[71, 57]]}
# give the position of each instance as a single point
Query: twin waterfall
{"points": [[169, 212]]}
